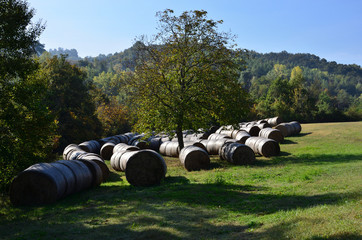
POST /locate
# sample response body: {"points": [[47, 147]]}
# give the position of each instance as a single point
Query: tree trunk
{"points": [[180, 138]]}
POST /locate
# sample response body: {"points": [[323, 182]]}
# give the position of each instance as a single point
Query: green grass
{"points": [[311, 191]]}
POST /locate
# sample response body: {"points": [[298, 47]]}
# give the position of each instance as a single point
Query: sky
{"points": [[330, 29]]}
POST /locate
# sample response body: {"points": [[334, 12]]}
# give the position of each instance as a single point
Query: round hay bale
{"points": [[195, 143], [268, 147], [261, 121], [69, 177], [274, 121], [83, 176], [94, 168], [297, 127], [99, 161], [213, 146], [121, 147], [242, 136], [144, 167], [194, 158], [122, 138], [91, 146], [252, 130], [154, 143], [69, 149], [263, 146], [38, 184], [263, 125], [283, 128], [112, 139], [170, 149], [237, 153], [73, 155], [116, 161], [216, 136], [129, 135], [271, 133], [107, 150], [251, 142]]}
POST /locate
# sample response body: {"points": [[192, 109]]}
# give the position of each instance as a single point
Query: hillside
{"points": [[315, 90]]}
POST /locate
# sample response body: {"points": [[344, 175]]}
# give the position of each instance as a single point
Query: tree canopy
{"points": [[186, 76], [26, 124]]}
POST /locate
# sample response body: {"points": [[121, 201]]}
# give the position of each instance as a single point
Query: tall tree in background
{"points": [[69, 99], [26, 124], [187, 76]]}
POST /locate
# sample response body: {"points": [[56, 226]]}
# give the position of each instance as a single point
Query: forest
{"points": [[294, 86]]}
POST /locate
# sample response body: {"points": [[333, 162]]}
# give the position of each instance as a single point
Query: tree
{"points": [[69, 99], [187, 76], [26, 124]]}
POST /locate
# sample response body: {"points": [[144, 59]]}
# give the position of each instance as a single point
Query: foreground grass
{"points": [[311, 191]]}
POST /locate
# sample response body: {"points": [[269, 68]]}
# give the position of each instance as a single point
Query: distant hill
{"points": [[330, 89]]}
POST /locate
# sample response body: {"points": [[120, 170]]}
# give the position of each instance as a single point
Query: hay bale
{"points": [[68, 150], [154, 143], [274, 121], [194, 158], [216, 136], [263, 146], [99, 161], [271, 133], [69, 177], [91, 146], [237, 153], [116, 160], [95, 169], [297, 127], [213, 146], [120, 147], [83, 176], [122, 138], [170, 149], [38, 184], [144, 167], [252, 130], [241, 136], [107, 150]]}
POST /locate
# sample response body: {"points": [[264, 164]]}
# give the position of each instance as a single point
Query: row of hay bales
{"points": [[141, 158]]}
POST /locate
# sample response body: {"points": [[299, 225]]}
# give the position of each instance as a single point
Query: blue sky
{"points": [[330, 29]]}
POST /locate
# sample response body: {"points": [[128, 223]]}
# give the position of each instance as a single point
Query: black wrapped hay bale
{"points": [[107, 150], [39, 184], [99, 161], [91, 146], [44, 183], [237, 153]]}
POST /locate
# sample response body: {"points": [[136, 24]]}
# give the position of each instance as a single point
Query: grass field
{"points": [[311, 191]]}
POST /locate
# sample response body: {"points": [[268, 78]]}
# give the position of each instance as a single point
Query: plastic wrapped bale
{"points": [[142, 168], [194, 158], [237, 153]]}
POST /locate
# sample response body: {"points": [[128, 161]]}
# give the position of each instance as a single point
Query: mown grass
{"points": [[311, 191]]}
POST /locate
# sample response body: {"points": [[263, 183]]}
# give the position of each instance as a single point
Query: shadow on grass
{"points": [[287, 141], [302, 134], [310, 159], [282, 231], [341, 236], [176, 209]]}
